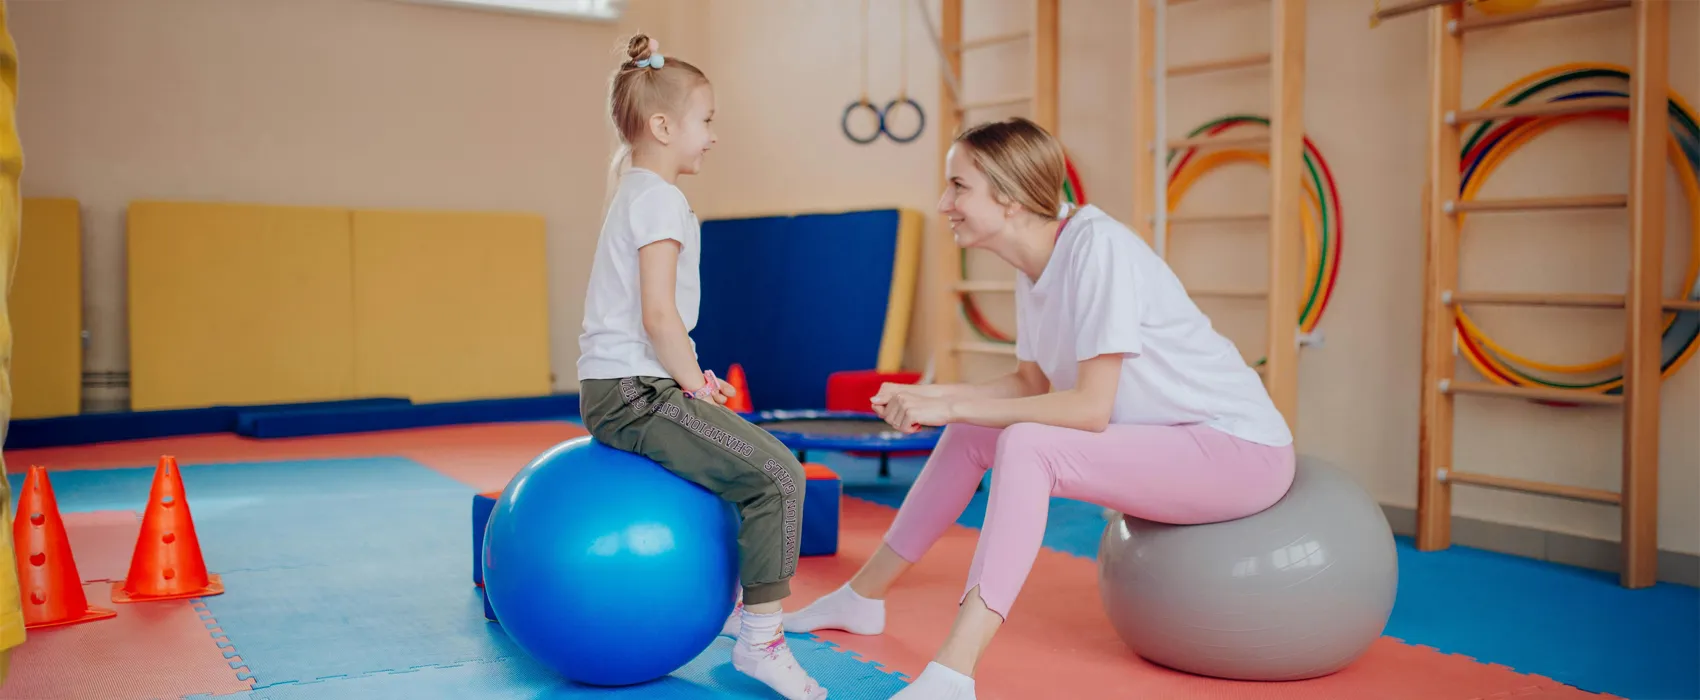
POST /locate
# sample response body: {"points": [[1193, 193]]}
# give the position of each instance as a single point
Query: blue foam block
{"points": [[140, 425], [482, 504], [820, 516], [331, 421], [846, 676], [770, 306]]}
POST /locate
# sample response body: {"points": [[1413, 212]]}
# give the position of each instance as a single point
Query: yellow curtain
{"points": [[11, 220]]}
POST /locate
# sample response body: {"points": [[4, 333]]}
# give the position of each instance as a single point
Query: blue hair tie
{"points": [[654, 61]]}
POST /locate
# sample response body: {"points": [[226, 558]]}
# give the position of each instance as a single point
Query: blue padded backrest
{"points": [[794, 299]]}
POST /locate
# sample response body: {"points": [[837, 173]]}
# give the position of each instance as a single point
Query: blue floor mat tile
{"points": [[303, 624], [710, 675]]}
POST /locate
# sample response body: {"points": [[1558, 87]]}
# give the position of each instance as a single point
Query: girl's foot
{"points": [[761, 653]]}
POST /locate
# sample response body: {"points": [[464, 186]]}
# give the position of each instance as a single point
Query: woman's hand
{"points": [[908, 412], [889, 391]]}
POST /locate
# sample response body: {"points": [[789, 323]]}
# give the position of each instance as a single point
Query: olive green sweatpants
{"points": [[709, 445]]}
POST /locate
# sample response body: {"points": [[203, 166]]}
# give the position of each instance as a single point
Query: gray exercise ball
{"points": [[1297, 591]]}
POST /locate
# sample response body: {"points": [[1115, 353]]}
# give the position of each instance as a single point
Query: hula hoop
{"points": [[1322, 244], [1488, 147]]}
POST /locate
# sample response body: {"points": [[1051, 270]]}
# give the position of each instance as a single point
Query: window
{"points": [[594, 10]]}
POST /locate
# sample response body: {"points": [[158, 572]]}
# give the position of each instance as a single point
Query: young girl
{"points": [[641, 389], [1123, 396]]}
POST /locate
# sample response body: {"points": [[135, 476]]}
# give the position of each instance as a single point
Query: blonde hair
{"points": [[637, 90], [1024, 163]]}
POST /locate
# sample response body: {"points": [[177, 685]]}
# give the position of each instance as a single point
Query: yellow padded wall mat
{"points": [[239, 304], [11, 221], [905, 275], [47, 311], [450, 305]]}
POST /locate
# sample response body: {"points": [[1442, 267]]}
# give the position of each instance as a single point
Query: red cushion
{"points": [[851, 390]]}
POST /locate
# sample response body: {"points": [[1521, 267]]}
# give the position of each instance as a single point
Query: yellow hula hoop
{"points": [[1516, 140], [1198, 167]]}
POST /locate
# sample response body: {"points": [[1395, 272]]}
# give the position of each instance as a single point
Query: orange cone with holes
{"points": [[47, 574], [167, 563], [741, 402]]}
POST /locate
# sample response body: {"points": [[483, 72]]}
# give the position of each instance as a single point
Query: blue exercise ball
{"points": [[606, 567]]}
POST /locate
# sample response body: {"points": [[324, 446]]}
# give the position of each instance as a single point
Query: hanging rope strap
{"points": [[863, 102]]}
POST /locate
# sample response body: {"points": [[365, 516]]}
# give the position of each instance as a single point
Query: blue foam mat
{"points": [[710, 675], [140, 425], [353, 419], [1576, 626]]}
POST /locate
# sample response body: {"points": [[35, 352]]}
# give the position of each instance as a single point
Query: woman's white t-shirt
{"points": [[646, 208], [1104, 291]]}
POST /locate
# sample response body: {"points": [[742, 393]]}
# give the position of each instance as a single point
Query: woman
{"points": [[1124, 397]]}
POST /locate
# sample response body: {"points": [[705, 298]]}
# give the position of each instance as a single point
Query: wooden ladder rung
{"points": [[1579, 201], [1574, 300], [1520, 392], [1217, 218], [1209, 142], [1229, 293], [985, 348], [1550, 11], [1405, 8], [1601, 301], [992, 40], [1217, 65], [985, 286], [1506, 483], [1538, 109], [998, 102]]}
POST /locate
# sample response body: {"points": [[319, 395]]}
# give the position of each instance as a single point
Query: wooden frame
{"points": [[1285, 143], [1649, 92], [953, 111]]}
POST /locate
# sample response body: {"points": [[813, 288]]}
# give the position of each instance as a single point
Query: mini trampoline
{"points": [[847, 431]]}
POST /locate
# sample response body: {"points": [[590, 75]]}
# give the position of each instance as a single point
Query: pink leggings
{"points": [[1171, 474]]}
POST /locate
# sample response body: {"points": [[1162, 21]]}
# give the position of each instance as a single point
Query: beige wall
{"points": [[375, 103], [362, 103]]}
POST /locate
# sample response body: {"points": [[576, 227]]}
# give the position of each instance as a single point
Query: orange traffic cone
{"points": [[52, 588], [167, 562], [739, 403]]}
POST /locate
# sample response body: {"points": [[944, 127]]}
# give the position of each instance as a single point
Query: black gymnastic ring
{"points": [[844, 123], [919, 114]]}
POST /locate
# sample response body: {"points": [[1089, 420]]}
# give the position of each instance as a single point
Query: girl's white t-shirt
{"points": [[646, 208], [1105, 291]]}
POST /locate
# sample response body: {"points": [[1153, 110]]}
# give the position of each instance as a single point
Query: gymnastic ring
{"points": [[919, 115], [845, 122]]}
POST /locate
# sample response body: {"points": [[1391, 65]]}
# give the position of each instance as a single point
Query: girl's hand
{"points": [[909, 412], [723, 391]]}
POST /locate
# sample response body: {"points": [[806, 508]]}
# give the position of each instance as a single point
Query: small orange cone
{"points": [[51, 587], [167, 562], [741, 402]]}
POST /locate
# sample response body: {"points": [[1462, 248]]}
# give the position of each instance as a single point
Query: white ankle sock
{"points": [[762, 654], [734, 622], [843, 609], [938, 682]]}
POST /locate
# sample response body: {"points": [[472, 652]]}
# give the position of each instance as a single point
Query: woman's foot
{"points": [[761, 653], [938, 682], [843, 609]]}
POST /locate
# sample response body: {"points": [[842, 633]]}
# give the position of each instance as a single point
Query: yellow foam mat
{"points": [[47, 311], [450, 305], [239, 304]]}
